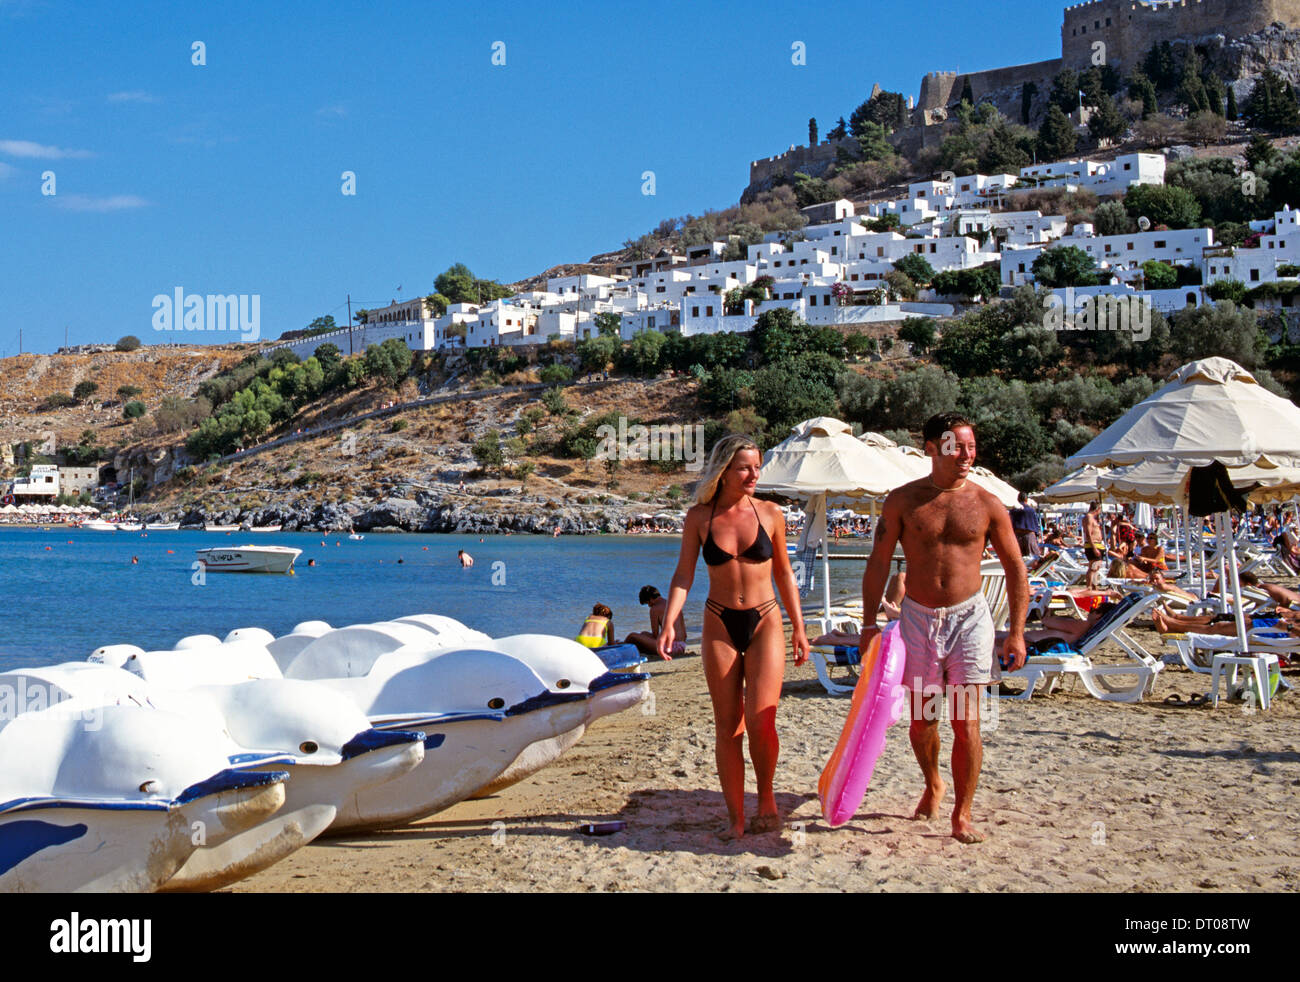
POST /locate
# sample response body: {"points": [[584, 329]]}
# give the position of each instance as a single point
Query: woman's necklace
{"points": [[938, 488]]}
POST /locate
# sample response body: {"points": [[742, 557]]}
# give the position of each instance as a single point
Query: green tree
{"points": [[919, 332], [555, 403], [644, 353], [487, 451], [1065, 91], [133, 410], [1160, 66], [1056, 138], [906, 401], [390, 361], [1107, 123], [1065, 266], [1141, 88], [1158, 275], [84, 390], [1232, 290], [608, 324], [812, 131], [916, 267], [1112, 218], [1272, 104], [980, 282], [322, 324], [1222, 329], [128, 342], [901, 286], [328, 356], [1174, 207], [555, 374]]}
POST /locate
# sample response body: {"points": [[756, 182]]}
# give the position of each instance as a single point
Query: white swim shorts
{"points": [[948, 645]]}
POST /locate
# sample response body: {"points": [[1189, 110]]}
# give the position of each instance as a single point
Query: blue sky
{"points": [[226, 178]]}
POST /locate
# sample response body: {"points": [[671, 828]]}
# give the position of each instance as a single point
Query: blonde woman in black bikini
{"points": [[743, 648]]}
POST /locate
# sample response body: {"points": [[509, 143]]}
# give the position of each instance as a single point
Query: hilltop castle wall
{"points": [[1129, 28]]}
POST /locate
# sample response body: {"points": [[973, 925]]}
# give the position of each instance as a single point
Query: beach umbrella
{"points": [[1078, 485], [1209, 411], [821, 459]]}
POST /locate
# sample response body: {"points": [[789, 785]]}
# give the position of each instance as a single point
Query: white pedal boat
{"points": [[327, 745], [117, 808], [494, 713], [565, 667]]}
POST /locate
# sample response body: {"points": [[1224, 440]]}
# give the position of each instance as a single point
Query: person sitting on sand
{"points": [[648, 644], [598, 629]]}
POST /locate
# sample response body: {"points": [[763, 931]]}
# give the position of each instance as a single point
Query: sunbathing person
{"points": [[1148, 559], [1283, 596], [1225, 624]]}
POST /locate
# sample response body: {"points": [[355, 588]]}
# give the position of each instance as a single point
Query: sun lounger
{"points": [[1096, 678]]}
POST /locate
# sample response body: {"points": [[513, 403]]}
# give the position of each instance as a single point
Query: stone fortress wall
{"points": [[1128, 28]]}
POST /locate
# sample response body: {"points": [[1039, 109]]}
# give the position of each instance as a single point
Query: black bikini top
{"points": [[760, 551]]}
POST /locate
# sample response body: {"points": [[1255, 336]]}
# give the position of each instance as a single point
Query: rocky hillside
{"points": [[405, 471], [28, 381]]}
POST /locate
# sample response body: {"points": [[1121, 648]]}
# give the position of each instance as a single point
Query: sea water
{"points": [[65, 592]]}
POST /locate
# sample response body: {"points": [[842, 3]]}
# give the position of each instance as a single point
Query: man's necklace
{"points": [[937, 488]]}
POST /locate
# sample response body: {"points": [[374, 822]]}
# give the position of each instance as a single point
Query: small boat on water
{"points": [[355, 537], [266, 528], [248, 559], [163, 526], [99, 525]]}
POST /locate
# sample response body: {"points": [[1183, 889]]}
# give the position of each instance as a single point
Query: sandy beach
{"points": [[1076, 795]]}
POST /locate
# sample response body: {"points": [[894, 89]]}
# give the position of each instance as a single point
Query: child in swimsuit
{"points": [[598, 629]]}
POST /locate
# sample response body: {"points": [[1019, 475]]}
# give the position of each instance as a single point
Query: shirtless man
{"points": [[648, 644], [942, 521]]}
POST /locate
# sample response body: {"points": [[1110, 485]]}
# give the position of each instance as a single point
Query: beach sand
{"points": [[1076, 795]]}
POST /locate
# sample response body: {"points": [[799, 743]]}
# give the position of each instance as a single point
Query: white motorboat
{"points": [[99, 525], [355, 537], [248, 559], [221, 528], [266, 528], [162, 526]]}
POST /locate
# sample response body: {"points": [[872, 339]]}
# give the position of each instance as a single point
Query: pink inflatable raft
{"points": [[878, 700]]}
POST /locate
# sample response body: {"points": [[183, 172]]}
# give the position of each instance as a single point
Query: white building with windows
{"points": [[1178, 247], [1279, 246]]}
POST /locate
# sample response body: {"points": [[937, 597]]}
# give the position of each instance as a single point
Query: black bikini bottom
{"points": [[740, 624]]}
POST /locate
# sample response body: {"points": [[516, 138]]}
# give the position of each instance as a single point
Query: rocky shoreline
{"points": [[480, 513]]}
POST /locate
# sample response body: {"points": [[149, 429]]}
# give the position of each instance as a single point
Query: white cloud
{"points": [[336, 111], [87, 202], [132, 96], [6, 171], [26, 148]]}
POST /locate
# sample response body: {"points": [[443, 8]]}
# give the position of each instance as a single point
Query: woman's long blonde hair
{"points": [[720, 457]]}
